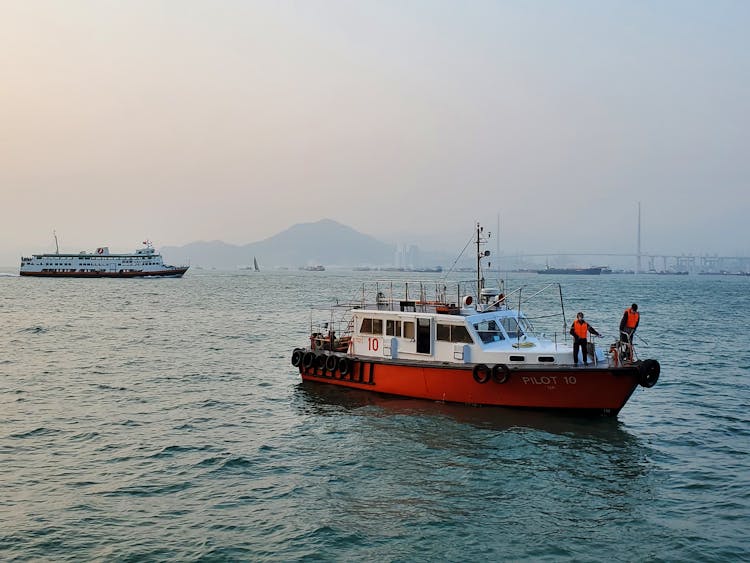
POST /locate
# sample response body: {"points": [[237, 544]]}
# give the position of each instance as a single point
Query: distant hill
{"points": [[324, 242]]}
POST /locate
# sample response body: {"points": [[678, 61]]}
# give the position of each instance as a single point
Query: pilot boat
{"points": [[462, 342]]}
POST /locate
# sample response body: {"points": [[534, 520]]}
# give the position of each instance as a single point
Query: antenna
{"points": [[481, 240], [57, 247], [638, 258], [497, 245]]}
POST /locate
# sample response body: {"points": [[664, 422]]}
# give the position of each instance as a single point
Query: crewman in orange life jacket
{"points": [[629, 323], [580, 330]]}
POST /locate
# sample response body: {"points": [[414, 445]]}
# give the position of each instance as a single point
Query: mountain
{"points": [[323, 242]]}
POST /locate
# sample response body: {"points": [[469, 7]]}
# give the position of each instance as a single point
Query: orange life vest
{"points": [[633, 317], [581, 329]]}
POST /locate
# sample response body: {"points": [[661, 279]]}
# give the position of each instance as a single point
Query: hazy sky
{"points": [[182, 121]]}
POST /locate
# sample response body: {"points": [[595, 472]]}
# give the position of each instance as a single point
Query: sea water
{"points": [[161, 419]]}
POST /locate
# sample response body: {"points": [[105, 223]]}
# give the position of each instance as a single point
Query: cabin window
{"points": [[453, 333], [444, 332], [393, 328], [489, 331], [371, 326], [460, 334], [409, 329], [517, 358]]}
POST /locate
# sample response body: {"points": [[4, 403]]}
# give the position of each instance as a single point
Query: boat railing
{"points": [[531, 304], [413, 295], [332, 329]]}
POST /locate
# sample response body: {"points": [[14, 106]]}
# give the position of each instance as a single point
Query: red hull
{"points": [[601, 389], [176, 273]]}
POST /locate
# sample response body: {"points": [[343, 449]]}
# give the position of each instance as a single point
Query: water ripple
{"points": [[172, 427]]}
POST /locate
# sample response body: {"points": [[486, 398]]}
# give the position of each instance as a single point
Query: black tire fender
{"points": [[320, 360], [500, 373], [297, 357], [481, 373], [345, 366], [648, 373], [309, 360], [332, 362]]}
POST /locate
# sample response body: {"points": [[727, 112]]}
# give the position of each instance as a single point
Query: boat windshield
{"points": [[489, 331], [516, 327]]}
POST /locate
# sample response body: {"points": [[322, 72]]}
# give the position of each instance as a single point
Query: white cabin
{"points": [[487, 332]]}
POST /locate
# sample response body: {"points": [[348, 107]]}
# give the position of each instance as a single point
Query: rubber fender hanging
{"points": [[332, 363], [345, 366], [297, 357], [308, 360], [481, 373], [320, 360], [648, 373], [500, 373]]}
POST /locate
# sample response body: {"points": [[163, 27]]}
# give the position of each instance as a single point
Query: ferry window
{"points": [[366, 326], [393, 328], [377, 326], [460, 334], [409, 329], [444, 332]]}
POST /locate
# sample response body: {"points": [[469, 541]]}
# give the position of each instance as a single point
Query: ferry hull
{"points": [[173, 273], [601, 389]]}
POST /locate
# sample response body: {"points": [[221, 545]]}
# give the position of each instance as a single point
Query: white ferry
{"points": [[144, 262]]}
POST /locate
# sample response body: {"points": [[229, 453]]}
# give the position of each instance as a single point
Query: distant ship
{"points": [[594, 271], [317, 268], [670, 273], [144, 262]]}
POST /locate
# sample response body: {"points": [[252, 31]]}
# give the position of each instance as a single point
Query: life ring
{"points": [[481, 373], [500, 373], [345, 366], [308, 360], [332, 363], [297, 357], [648, 373]]}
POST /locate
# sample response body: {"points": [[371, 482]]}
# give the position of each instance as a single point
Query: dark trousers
{"points": [[582, 344], [626, 335]]}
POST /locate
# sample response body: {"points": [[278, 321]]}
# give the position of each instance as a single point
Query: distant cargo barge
{"points": [[595, 271]]}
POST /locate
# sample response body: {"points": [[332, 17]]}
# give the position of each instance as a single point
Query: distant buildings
{"points": [[407, 256]]}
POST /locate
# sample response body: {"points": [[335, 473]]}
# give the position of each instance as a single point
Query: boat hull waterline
{"points": [[174, 273], [602, 389]]}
